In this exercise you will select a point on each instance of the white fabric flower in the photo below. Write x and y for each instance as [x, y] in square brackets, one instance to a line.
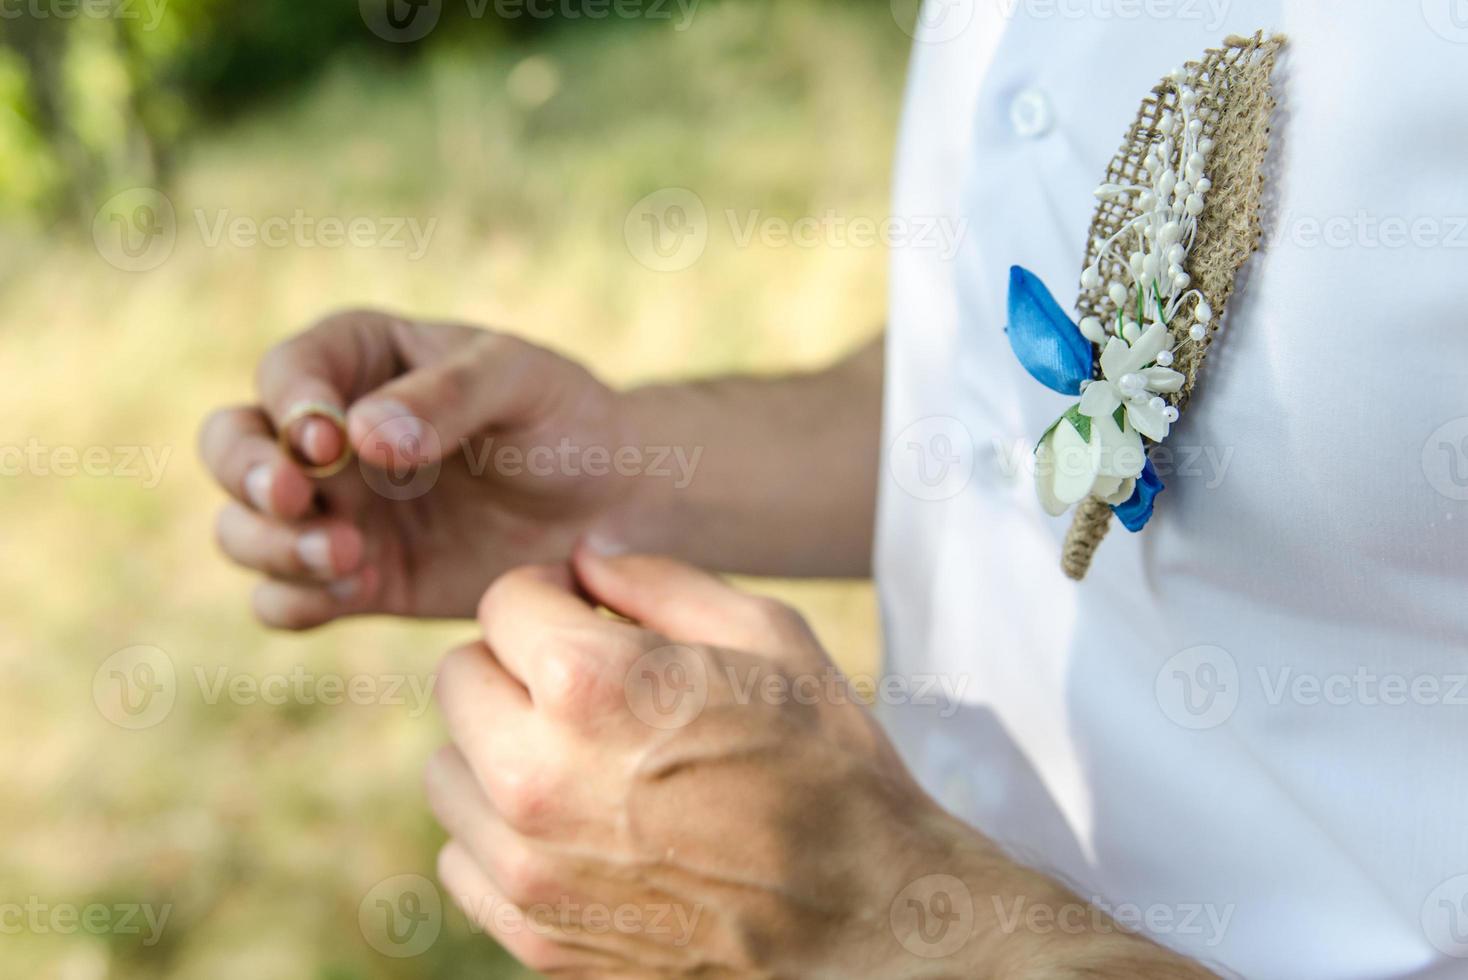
[1084, 457]
[1128, 380]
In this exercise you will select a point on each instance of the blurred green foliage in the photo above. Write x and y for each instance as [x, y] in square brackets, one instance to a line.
[99, 95]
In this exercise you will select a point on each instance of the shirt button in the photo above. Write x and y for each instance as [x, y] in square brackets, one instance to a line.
[1030, 113]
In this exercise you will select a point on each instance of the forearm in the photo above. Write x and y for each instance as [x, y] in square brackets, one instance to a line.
[1027, 926]
[785, 476]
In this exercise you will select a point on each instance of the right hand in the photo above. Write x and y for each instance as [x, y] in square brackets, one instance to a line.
[428, 515]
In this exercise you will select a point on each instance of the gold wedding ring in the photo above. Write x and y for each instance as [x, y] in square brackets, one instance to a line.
[315, 410]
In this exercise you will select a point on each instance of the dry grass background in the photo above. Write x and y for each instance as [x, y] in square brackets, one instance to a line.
[264, 826]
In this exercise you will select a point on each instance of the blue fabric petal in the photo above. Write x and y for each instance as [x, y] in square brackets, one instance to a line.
[1046, 341]
[1137, 511]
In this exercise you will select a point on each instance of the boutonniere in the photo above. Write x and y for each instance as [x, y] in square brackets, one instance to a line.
[1178, 215]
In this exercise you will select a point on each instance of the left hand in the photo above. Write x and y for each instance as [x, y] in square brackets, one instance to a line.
[636, 798]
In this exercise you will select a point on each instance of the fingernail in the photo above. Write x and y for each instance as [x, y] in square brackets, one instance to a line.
[257, 487]
[392, 426]
[344, 589]
[314, 549]
[602, 544]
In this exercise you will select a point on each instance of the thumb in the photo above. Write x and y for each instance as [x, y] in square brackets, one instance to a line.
[426, 414]
[687, 604]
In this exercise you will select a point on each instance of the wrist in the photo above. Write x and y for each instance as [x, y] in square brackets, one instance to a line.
[965, 909]
[640, 515]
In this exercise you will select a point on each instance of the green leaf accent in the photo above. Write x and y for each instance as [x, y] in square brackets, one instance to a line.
[1120, 416]
[1081, 423]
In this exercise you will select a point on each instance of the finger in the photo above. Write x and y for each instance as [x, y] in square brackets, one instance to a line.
[487, 907]
[298, 606]
[239, 450]
[491, 380]
[322, 550]
[329, 364]
[485, 709]
[687, 604]
[532, 611]
[461, 807]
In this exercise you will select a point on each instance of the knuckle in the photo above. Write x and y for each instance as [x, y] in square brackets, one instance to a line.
[542, 955]
[349, 318]
[568, 672]
[527, 879]
[214, 428]
[775, 615]
[456, 664]
[501, 592]
[526, 796]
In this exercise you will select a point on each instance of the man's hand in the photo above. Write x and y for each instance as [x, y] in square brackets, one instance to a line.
[479, 452]
[431, 514]
[688, 790]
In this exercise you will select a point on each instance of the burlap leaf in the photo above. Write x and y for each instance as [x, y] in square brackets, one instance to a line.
[1236, 102]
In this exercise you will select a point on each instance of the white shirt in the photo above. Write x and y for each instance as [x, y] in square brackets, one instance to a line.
[1250, 723]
